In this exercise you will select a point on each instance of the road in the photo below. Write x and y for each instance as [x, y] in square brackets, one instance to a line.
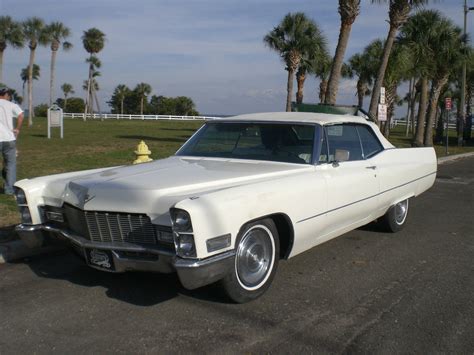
[364, 292]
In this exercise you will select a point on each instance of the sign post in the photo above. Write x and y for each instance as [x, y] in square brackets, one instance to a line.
[55, 119]
[382, 109]
[448, 106]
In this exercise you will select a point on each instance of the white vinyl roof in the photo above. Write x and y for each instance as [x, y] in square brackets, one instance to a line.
[300, 117]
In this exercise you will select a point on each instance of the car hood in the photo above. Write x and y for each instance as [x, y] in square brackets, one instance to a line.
[137, 188]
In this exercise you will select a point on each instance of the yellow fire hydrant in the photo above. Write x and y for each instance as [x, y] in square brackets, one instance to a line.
[142, 153]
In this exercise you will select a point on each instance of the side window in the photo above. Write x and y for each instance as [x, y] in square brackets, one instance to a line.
[344, 143]
[370, 143]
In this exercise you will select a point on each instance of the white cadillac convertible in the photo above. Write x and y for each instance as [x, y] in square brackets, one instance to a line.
[238, 196]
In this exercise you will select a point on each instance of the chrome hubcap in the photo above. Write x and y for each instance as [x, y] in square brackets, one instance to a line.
[254, 257]
[401, 210]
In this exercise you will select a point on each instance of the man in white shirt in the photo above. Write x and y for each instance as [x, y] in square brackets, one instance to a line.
[8, 135]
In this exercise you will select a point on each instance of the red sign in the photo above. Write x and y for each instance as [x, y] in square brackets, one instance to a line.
[447, 103]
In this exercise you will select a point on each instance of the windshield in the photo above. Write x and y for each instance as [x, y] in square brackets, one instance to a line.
[290, 143]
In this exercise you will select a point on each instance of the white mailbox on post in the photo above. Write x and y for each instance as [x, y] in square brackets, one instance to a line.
[55, 119]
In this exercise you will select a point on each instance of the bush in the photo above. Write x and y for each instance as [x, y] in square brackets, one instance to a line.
[41, 110]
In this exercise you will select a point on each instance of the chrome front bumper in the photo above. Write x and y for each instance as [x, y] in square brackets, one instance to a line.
[193, 273]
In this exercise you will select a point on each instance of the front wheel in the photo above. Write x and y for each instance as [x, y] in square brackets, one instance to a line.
[395, 218]
[256, 261]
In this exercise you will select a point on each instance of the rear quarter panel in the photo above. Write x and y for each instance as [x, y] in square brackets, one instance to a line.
[404, 173]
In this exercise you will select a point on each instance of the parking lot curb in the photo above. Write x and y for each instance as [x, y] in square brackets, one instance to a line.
[449, 158]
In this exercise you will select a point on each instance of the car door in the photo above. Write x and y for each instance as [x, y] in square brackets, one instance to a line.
[351, 180]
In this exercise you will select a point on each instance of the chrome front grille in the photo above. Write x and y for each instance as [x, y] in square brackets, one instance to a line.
[120, 227]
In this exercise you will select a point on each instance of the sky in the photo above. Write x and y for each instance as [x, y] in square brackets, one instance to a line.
[209, 50]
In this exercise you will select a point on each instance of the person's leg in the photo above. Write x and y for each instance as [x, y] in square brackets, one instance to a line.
[4, 174]
[9, 163]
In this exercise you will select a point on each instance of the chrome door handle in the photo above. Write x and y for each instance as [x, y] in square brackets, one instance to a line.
[373, 167]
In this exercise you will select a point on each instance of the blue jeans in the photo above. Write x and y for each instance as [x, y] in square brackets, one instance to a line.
[8, 150]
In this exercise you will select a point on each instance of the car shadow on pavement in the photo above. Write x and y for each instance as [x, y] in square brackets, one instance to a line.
[6, 233]
[137, 288]
[372, 227]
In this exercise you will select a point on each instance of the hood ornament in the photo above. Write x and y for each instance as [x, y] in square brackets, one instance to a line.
[88, 197]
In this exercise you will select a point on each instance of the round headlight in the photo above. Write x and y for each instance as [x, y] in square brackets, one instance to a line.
[20, 196]
[186, 245]
[25, 215]
[181, 220]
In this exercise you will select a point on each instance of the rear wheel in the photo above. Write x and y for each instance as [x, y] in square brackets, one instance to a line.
[395, 218]
[256, 261]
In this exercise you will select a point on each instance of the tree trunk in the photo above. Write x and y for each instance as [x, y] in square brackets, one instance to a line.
[420, 126]
[436, 88]
[289, 89]
[23, 90]
[1, 64]
[121, 106]
[97, 102]
[323, 87]
[51, 79]
[412, 111]
[468, 127]
[410, 107]
[440, 127]
[391, 95]
[300, 78]
[374, 101]
[360, 93]
[141, 105]
[331, 93]
[88, 89]
[65, 102]
[30, 87]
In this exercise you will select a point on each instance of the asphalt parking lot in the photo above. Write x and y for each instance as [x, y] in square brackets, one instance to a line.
[364, 292]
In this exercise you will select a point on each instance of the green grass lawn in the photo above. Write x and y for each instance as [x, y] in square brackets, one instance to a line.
[94, 144]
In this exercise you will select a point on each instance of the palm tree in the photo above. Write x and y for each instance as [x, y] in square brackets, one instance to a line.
[15, 97]
[322, 70]
[398, 13]
[67, 90]
[143, 90]
[398, 70]
[10, 34]
[469, 94]
[416, 34]
[94, 64]
[292, 38]
[348, 11]
[34, 32]
[57, 34]
[310, 61]
[358, 67]
[448, 42]
[93, 41]
[122, 91]
[24, 75]
[92, 86]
